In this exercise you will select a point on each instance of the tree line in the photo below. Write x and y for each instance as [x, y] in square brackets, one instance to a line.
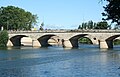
[94, 25]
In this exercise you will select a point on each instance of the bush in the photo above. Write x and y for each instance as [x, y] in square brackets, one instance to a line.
[116, 42]
[3, 38]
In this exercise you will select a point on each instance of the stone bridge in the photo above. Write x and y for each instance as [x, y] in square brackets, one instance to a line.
[68, 38]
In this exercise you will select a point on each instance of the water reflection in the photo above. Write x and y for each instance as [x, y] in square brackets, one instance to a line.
[104, 50]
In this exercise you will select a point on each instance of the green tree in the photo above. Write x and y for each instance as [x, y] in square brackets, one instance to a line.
[80, 27]
[3, 38]
[41, 26]
[112, 11]
[102, 25]
[14, 18]
[83, 26]
[87, 25]
[90, 24]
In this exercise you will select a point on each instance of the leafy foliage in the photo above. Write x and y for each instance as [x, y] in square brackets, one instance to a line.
[102, 25]
[112, 11]
[41, 26]
[116, 42]
[84, 40]
[14, 18]
[3, 38]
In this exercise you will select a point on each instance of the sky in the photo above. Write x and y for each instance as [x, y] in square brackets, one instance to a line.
[60, 14]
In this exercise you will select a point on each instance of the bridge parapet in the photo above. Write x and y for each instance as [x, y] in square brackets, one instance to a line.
[68, 31]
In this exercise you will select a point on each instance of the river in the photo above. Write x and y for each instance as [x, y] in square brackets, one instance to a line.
[85, 61]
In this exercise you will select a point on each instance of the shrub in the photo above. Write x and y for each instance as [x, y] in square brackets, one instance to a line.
[3, 38]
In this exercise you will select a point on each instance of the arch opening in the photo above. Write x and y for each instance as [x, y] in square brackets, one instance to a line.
[54, 40]
[84, 40]
[48, 40]
[26, 41]
[113, 40]
[116, 41]
[74, 40]
[16, 40]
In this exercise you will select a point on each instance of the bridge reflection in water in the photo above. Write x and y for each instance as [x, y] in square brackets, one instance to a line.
[66, 38]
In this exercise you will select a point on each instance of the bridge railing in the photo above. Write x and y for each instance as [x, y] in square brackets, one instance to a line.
[95, 31]
[67, 31]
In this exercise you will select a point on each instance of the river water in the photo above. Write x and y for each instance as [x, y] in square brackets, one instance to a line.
[85, 61]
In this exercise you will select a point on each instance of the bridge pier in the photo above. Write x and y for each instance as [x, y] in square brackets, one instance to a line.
[66, 43]
[105, 44]
[9, 43]
[35, 43]
[69, 43]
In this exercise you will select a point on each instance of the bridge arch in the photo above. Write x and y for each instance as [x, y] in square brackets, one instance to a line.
[16, 40]
[54, 40]
[73, 41]
[43, 40]
[109, 40]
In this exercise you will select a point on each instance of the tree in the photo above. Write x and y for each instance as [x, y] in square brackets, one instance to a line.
[102, 25]
[3, 38]
[41, 26]
[112, 11]
[14, 18]
[86, 25]
[90, 24]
